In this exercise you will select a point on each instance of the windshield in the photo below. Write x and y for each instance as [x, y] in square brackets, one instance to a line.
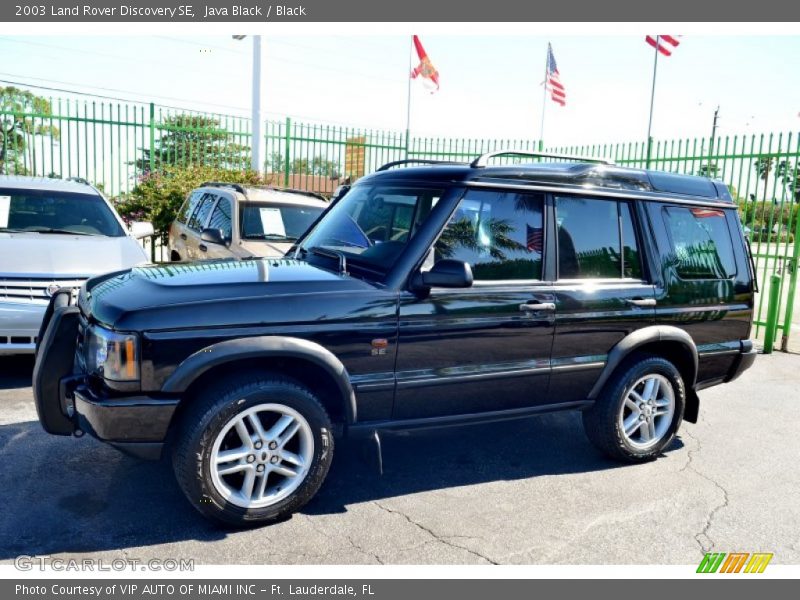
[371, 225]
[45, 211]
[276, 222]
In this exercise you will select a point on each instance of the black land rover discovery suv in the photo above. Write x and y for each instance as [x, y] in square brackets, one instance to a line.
[425, 295]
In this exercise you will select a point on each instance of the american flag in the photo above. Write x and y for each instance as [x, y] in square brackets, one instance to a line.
[553, 80]
[535, 239]
[665, 44]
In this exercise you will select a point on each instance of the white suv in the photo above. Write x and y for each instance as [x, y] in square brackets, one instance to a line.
[53, 234]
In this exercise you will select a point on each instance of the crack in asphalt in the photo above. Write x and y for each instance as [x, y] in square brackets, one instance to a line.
[350, 540]
[689, 466]
[444, 539]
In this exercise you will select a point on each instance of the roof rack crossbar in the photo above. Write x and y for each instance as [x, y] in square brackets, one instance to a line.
[418, 161]
[235, 186]
[483, 159]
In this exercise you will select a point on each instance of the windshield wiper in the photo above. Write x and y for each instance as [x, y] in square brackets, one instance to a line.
[9, 230]
[319, 251]
[55, 230]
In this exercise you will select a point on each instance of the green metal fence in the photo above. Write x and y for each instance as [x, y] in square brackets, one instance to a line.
[116, 145]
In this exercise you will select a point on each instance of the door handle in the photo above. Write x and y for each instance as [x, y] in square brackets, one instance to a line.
[183, 236]
[642, 302]
[533, 307]
[203, 247]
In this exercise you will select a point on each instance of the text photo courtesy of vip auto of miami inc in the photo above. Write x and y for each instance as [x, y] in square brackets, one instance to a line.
[324, 296]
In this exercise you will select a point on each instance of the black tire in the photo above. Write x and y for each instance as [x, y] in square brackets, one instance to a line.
[602, 421]
[206, 417]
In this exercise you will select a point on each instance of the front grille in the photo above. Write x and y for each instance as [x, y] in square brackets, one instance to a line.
[16, 339]
[35, 291]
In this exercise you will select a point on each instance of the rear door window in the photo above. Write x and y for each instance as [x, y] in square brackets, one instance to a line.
[701, 242]
[198, 219]
[596, 239]
[188, 207]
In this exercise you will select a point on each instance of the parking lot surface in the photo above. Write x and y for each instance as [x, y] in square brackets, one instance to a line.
[523, 492]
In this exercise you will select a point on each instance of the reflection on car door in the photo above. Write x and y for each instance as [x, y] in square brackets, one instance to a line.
[484, 348]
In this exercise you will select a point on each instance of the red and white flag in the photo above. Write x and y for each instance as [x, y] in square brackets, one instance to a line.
[558, 93]
[425, 70]
[665, 44]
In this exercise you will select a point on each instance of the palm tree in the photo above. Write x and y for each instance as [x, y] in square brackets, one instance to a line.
[763, 167]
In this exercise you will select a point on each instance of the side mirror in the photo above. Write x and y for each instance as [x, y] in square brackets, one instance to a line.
[213, 236]
[141, 229]
[447, 273]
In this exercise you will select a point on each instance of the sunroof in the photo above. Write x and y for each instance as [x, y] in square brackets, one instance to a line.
[682, 184]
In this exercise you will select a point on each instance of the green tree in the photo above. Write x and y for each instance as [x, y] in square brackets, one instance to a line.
[710, 169]
[22, 118]
[319, 165]
[193, 140]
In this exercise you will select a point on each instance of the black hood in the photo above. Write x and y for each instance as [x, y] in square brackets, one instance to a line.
[208, 293]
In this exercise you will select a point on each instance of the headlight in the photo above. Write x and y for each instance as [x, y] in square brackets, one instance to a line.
[114, 356]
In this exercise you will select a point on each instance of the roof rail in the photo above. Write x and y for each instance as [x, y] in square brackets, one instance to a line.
[316, 195]
[235, 186]
[484, 158]
[418, 161]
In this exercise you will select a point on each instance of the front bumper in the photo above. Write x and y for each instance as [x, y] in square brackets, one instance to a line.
[67, 404]
[19, 326]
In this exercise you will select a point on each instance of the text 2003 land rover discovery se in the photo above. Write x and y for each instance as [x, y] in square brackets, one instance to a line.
[427, 295]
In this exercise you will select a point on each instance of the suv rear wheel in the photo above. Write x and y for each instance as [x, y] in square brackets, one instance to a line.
[639, 410]
[253, 450]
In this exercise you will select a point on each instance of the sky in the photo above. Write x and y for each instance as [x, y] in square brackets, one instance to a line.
[490, 85]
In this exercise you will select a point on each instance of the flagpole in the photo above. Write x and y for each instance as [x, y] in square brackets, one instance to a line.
[544, 100]
[652, 100]
[408, 96]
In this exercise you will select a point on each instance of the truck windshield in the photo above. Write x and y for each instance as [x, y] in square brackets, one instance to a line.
[43, 211]
[371, 225]
[276, 222]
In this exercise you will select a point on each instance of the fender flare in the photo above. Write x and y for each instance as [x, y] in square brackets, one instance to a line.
[640, 337]
[261, 347]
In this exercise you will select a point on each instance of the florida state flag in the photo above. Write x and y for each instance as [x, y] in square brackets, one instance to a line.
[425, 69]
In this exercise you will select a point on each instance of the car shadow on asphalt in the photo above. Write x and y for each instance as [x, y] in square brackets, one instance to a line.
[65, 495]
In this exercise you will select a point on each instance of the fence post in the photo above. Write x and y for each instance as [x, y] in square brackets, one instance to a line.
[649, 151]
[772, 312]
[287, 160]
[152, 137]
[791, 266]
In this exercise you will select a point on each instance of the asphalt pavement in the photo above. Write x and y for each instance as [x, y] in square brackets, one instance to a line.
[525, 492]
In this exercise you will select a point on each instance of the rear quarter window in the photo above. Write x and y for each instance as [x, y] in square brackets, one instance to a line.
[702, 247]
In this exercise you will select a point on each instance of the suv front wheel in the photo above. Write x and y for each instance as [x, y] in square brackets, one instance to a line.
[253, 450]
[639, 410]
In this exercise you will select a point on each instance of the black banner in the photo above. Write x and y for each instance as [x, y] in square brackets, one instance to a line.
[382, 589]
